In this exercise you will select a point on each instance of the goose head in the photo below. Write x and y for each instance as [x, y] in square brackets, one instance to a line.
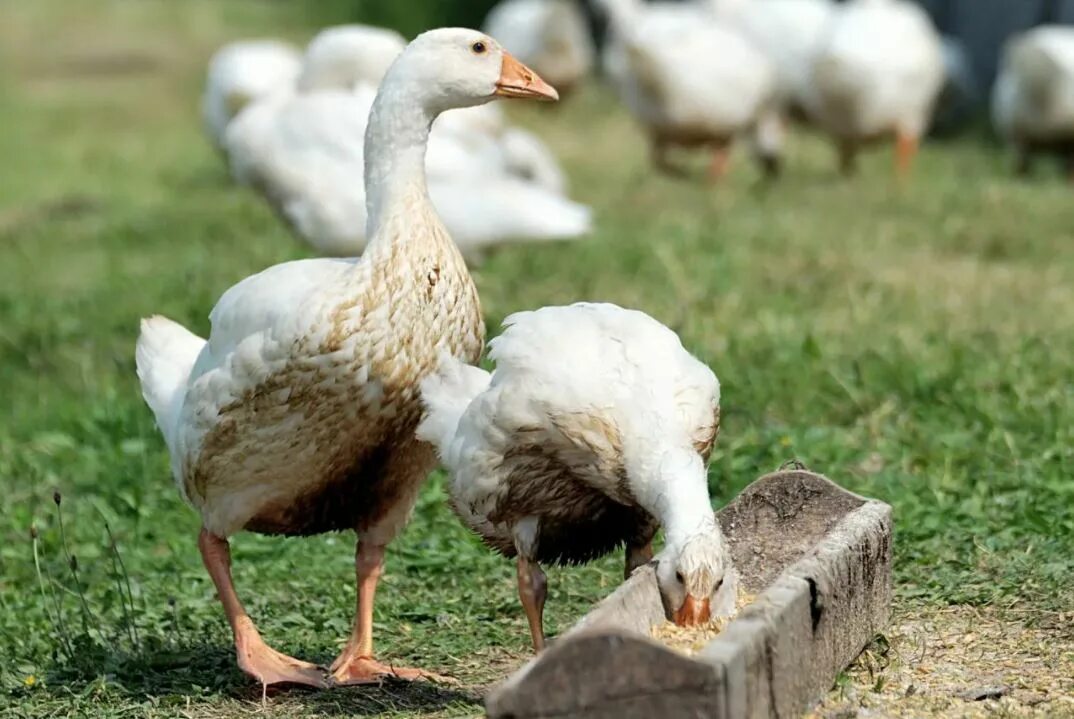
[694, 570]
[455, 67]
[696, 578]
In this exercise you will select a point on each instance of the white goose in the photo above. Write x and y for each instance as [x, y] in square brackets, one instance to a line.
[691, 79]
[297, 416]
[879, 75]
[241, 73]
[551, 36]
[1033, 99]
[593, 430]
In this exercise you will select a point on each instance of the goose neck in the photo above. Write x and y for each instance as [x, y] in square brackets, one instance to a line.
[682, 501]
[395, 142]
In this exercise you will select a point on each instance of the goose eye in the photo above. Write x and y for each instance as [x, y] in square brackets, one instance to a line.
[680, 578]
[479, 48]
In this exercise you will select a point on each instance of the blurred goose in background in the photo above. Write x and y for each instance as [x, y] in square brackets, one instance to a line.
[790, 32]
[691, 80]
[242, 72]
[304, 155]
[348, 55]
[303, 151]
[878, 75]
[528, 157]
[338, 58]
[551, 36]
[487, 134]
[1033, 98]
[297, 416]
[593, 431]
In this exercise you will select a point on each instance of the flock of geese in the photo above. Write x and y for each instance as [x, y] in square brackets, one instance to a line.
[329, 388]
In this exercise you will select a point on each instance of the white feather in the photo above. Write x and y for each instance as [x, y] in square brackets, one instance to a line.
[164, 356]
[446, 395]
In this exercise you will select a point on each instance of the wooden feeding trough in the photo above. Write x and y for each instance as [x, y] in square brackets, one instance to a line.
[818, 559]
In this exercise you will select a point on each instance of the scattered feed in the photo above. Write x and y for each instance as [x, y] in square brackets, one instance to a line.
[691, 640]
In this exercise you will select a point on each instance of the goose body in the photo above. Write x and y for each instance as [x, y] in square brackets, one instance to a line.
[879, 75]
[1033, 99]
[296, 416]
[551, 36]
[690, 79]
[592, 431]
[240, 73]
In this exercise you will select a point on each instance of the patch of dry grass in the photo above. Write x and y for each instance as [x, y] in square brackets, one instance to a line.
[966, 662]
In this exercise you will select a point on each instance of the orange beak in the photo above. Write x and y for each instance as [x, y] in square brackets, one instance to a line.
[693, 612]
[517, 80]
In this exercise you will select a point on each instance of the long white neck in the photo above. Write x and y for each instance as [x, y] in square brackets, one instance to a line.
[395, 142]
[680, 497]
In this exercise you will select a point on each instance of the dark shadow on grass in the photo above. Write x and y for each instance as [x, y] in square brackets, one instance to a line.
[419, 697]
[204, 670]
[154, 669]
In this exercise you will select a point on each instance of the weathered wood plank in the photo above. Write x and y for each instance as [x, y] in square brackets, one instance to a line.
[820, 558]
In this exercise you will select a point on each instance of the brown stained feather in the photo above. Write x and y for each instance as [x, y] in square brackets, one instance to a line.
[354, 499]
[705, 439]
[556, 481]
[577, 522]
[352, 460]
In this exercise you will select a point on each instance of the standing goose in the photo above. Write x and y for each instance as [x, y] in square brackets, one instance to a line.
[593, 430]
[877, 76]
[297, 416]
[1033, 99]
[691, 79]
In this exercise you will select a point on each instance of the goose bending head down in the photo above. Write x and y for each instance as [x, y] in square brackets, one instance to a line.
[695, 563]
[297, 415]
[592, 432]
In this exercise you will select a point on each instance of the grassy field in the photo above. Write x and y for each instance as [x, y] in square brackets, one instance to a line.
[916, 344]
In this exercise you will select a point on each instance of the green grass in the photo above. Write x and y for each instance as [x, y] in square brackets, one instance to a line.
[916, 344]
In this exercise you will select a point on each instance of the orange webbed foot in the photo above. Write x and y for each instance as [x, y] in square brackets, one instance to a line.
[269, 666]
